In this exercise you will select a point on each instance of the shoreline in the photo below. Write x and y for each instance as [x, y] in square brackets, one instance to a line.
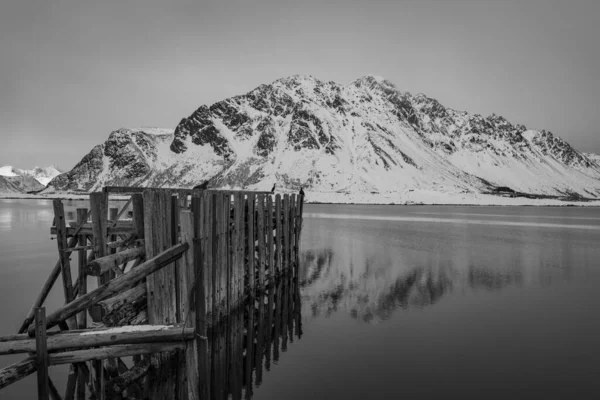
[413, 199]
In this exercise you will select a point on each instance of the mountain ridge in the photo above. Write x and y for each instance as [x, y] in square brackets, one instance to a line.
[16, 180]
[365, 137]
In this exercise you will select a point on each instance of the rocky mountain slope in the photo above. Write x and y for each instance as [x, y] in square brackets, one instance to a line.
[367, 137]
[15, 180]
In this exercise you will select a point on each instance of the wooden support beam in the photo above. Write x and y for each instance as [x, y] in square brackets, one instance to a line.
[104, 264]
[17, 371]
[81, 263]
[124, 229]
[197, 272]
[41, 352]
[157, 227]
[99, 206]
[128, 296]
[116, 286]
[81, 290]
[101, 353]
[61, 239]
[101, 337]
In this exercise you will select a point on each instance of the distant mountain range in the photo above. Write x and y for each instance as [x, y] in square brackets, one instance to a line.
[14, 180]
[367, 137]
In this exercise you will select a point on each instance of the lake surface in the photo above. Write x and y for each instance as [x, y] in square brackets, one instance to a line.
[412, 301]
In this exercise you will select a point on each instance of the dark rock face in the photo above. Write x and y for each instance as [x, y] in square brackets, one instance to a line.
[561, 150]
[267, 140]
[84, 174]
[200, 127]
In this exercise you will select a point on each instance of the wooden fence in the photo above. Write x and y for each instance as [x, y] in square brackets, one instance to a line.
[210, 285]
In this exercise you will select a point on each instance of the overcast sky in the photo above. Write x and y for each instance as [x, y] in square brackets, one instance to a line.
[73, 71]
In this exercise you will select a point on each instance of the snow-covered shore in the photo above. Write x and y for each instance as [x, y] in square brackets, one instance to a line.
[418, 197]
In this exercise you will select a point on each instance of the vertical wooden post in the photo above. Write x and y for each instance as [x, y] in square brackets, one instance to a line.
[160, 285]
[188, 303]
[286, 233]
[278, 234]
[286, 271]
[61, 239]
[41, 353]
[250, 248]
[271, 284]
[261, 286]
[81, 263]
[261, 240]
[99, 207]
[176, 265]
[137, 201]
[157, 233]
[82, 214]
[200, 277]
[291, 256]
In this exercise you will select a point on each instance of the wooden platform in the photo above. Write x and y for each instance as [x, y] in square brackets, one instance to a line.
[196, 294]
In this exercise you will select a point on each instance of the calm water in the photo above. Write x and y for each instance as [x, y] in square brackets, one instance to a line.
[420, 302]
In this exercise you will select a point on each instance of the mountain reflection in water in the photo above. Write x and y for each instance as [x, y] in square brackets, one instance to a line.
[373, 289]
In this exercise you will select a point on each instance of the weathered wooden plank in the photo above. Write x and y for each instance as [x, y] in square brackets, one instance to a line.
[82, 290]
[116, 286]
[284, 309]
[128, 296]
[17, 371]
[99, 206]
[278, 236]
[137, 203]
[260, 334]
[101, 353]
[271, 283]
[102, 337]
[188, 303]
[292, 267]
[286, 233]
[157, 233]
[198, 267]
[117, 230]
[61, 239]
[41, 352]
[218, 309]
[208, 239]
[104, 264]
[269, 239]
[250, 246]
[260, 229]
[241, 275]
[81, 264]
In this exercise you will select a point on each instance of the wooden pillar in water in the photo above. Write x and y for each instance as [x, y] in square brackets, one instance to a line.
[201, 277]
[161, 287]
[260, 204]
[99, 207]
[271, 280]
[41, 353]
[82, 214]
[251, 295]
[189, 306]
[61, 239]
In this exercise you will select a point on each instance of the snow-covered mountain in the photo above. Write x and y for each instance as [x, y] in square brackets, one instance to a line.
[16, 180]
[367, 137]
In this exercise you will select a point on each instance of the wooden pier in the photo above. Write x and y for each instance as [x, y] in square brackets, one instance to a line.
[196, 293]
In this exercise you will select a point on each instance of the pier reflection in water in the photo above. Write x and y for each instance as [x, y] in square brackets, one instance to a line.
[252, 337]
